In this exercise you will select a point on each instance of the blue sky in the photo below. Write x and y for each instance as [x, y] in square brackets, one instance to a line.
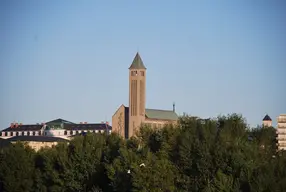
[70, 59]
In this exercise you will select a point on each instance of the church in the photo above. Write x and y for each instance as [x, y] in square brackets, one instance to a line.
[127, 120]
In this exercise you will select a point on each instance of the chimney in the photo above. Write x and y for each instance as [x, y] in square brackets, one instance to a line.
[80, 123]
[12, 125]
[85, 122]
[16, 125]
[174, 109]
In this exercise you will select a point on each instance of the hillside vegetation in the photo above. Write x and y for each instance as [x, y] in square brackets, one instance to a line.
[196, 155]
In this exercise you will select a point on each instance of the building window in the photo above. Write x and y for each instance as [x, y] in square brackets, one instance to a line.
[34, 133]
[39, 133]
[142, 73]
[6, 134]
[28, 133]
[45, 133]
[70, 132]
[65, 133]
[76, 132]
[17, 133]
[133, 73]
[11, 133]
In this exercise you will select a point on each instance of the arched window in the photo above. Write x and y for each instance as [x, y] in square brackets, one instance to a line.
[70, 132]
[6, 134]
[28, 133]
[39, 133]
[34, 133]
[65, 133]
[17, 133]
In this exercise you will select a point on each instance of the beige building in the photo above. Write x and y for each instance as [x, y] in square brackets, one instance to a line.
[37, 142]
[127, 120]
[281, 132]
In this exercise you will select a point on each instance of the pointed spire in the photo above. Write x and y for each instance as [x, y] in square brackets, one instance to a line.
[137, 63]
[267, 118]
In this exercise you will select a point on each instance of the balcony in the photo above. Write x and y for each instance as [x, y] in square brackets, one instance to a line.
[281, 120]
[282, 145]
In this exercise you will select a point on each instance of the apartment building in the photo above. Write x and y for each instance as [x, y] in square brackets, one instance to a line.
[281, 132]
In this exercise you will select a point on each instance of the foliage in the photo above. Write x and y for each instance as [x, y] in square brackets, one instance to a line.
[220, 154]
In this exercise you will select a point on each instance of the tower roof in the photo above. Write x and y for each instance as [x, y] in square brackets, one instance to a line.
[267, 118]
[137, 63]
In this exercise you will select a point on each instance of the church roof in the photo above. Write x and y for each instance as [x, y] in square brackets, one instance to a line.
[137, 63]
[267, 118]
[161, 114]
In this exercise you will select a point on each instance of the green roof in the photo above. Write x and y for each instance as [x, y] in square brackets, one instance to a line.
[58, 121]
[137, 63]
[161, 114]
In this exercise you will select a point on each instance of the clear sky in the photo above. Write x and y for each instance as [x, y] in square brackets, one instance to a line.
[70, 59]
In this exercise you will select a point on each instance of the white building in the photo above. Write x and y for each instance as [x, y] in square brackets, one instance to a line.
[56, 128]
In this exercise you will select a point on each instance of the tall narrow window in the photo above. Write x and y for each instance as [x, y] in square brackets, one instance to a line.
[142, 99]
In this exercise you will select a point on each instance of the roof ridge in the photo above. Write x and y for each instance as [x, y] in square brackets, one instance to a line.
[160, 110]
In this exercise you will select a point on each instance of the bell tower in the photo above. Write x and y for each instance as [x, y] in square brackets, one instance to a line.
[137, 94]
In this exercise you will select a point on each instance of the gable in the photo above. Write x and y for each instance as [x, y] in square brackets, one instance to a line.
[58, 121]
[161, 114]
